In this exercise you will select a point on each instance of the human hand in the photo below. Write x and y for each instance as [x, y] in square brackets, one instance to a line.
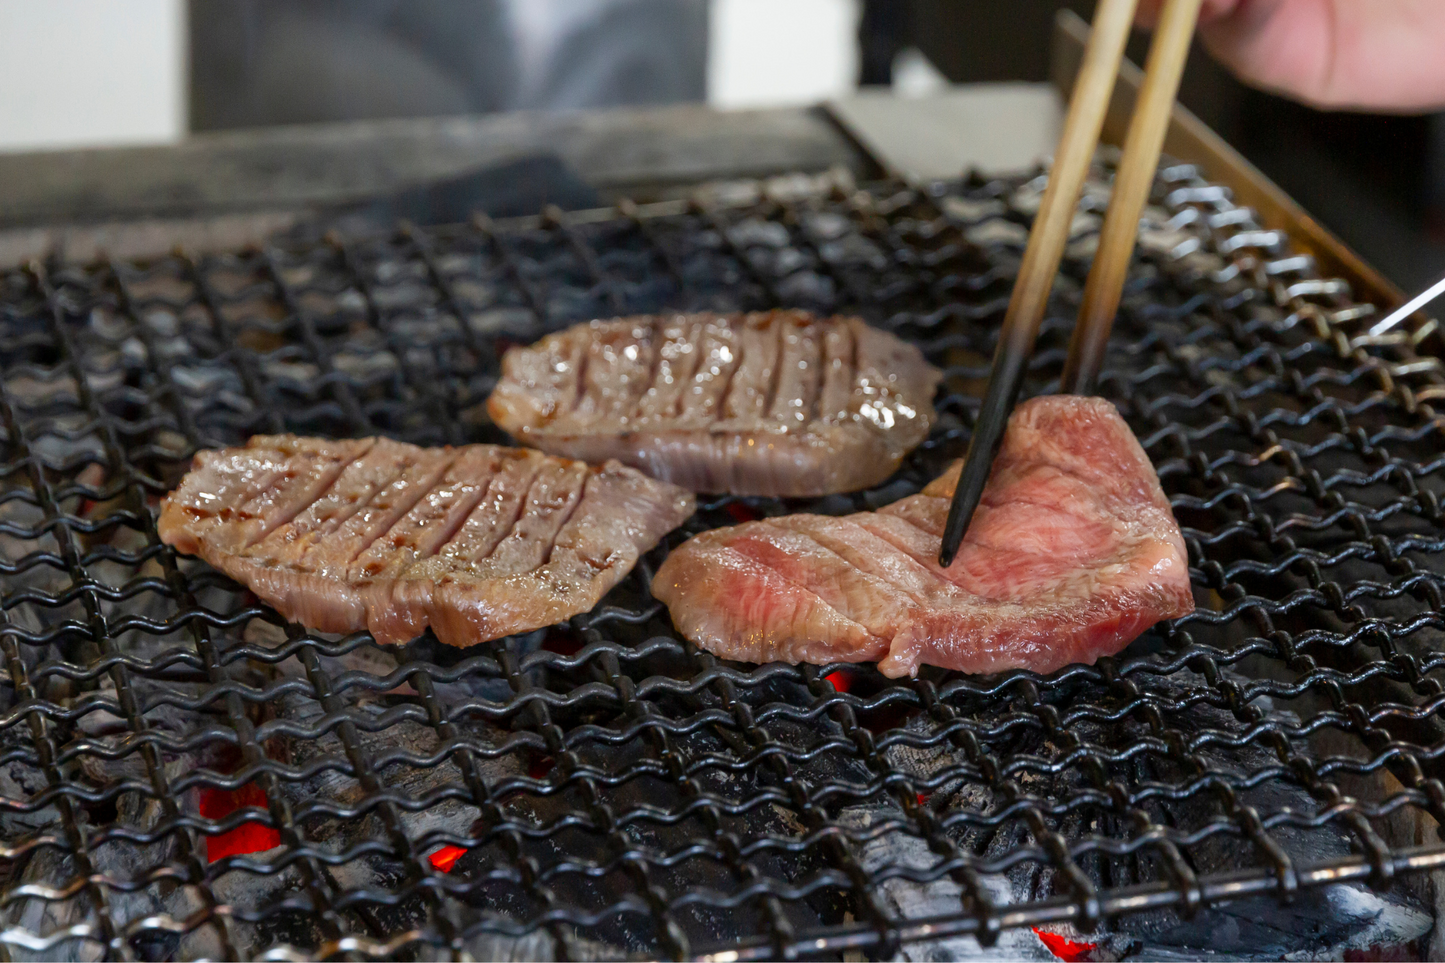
[1383, 55]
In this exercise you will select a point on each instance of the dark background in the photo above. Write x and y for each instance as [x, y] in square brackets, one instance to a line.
[1377, 181]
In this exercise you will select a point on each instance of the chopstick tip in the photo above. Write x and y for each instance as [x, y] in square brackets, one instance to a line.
[949, 551]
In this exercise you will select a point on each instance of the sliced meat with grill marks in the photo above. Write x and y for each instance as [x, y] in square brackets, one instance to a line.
[772, 403]
[477, 542]
[1072, 553]
[240, 495]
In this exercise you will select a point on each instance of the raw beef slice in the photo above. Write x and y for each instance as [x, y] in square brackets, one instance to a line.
[1072, 553]
[772, 403]
[477, 542]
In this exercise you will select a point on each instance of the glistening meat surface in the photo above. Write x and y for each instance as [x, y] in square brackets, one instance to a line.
[477, 542]
[1072, 553]
[771, 403]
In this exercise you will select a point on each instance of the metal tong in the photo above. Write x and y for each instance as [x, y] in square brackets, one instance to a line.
[1142, 146]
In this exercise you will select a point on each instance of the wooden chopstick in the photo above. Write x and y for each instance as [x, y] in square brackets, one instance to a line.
[1080, 137]
[1132, 181]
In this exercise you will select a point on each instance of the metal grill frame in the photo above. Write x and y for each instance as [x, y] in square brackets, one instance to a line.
[950, 261]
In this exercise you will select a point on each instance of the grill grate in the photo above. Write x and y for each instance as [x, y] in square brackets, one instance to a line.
[184, 775]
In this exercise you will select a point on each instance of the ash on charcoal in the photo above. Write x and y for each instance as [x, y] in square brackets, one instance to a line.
[21, 783]
[125, 875]
[1321, 922]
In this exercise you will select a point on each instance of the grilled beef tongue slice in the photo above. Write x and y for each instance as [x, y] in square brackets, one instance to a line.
[771, 403]
[1072, 553]
[478, 542]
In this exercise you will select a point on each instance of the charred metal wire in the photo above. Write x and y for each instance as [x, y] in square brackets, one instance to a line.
[183, 775]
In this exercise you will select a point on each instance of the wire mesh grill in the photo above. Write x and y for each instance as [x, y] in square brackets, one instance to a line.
[182, 774]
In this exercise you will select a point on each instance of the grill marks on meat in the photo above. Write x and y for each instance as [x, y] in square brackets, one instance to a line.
[1072, 553]
[252, 495]
[771, 403]
[477, 542]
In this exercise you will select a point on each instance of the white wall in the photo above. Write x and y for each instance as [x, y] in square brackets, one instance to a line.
[766, 53]
[91, 72]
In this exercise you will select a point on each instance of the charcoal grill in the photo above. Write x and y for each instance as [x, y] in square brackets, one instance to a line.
[182, 774]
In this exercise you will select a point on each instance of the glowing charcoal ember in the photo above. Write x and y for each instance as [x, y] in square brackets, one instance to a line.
[446, 857]
[249, 837]
[1066, 949]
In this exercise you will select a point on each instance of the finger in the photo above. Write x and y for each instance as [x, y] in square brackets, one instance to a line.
[1338, 55]
[1148, 13]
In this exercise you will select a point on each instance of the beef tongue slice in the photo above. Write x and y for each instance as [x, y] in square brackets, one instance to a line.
[770, 403]
[477, 542]
[1072, 553]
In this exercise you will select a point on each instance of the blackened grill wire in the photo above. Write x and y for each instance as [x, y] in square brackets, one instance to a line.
[1246, 376]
